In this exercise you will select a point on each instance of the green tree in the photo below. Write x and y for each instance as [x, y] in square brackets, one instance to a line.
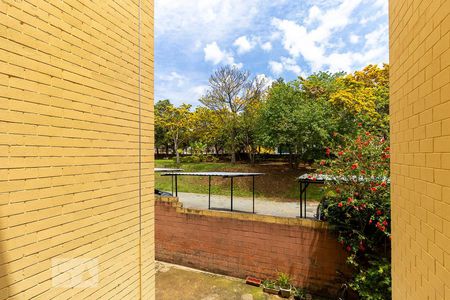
[248, 129]
[289, 119]
[321, 85]
[175, 121]
[230, 91]
[161, 136]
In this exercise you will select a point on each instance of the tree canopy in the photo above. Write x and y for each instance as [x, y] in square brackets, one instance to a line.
[239, 113]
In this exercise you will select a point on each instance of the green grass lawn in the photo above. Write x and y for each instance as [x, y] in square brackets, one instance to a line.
[279, 183]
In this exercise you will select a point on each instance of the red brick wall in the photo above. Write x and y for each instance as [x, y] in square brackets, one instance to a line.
[242, 244]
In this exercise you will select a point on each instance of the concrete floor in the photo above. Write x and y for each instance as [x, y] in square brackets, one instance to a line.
[175, 282]
[262, 206]
[180, 283]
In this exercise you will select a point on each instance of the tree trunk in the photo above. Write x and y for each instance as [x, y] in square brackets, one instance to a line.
[175, 145]
[291, 159]
[233, 146]
[252, 158]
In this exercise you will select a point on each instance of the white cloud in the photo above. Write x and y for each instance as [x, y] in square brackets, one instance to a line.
[267, 79]
[215, 55]
[297, 41]
[314, 14]
[276, 67]
[285, 64]
[382, 9]
[354, 38]
[198, 91]
[173, 77]
[211, 19]
[319, 40]
[180, 88]
[376, 37]
[244, 44]
[267, 46]
[290, 64]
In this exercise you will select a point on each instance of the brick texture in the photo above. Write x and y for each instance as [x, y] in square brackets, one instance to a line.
[420, 130]
[72, 117]
[242, 244]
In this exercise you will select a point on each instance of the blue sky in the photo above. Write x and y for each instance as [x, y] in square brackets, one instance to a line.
[271, 38]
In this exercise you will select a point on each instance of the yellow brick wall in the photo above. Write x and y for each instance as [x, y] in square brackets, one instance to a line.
[420, 129]
[70, 105]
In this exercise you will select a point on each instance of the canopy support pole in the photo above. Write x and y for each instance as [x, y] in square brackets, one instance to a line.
[176, 185]
[253, 188]
[231, 193]
[209, 193]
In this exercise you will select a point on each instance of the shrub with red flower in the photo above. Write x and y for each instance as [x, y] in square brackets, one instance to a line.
[357, 205]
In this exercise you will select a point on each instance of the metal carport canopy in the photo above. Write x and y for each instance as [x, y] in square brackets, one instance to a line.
[306, 179]
[230, 175]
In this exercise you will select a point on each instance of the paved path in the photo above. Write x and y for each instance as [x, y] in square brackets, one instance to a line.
[262, 206]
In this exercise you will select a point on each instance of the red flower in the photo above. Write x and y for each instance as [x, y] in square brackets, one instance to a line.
[340, 153]
[373, 189]
[359, 124]
[367, 133]
[322, 162]
[349, 248]
[328, 151]
[383, 183]
[340, 204]
[363, 172]
[338, 190]
[379, 212]
[385, 223]
[361, 246]
[354, 166]
[370, 221]
[349, 200]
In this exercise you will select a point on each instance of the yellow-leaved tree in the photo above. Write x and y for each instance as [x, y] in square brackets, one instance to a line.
[176, 122]
[366, 93]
